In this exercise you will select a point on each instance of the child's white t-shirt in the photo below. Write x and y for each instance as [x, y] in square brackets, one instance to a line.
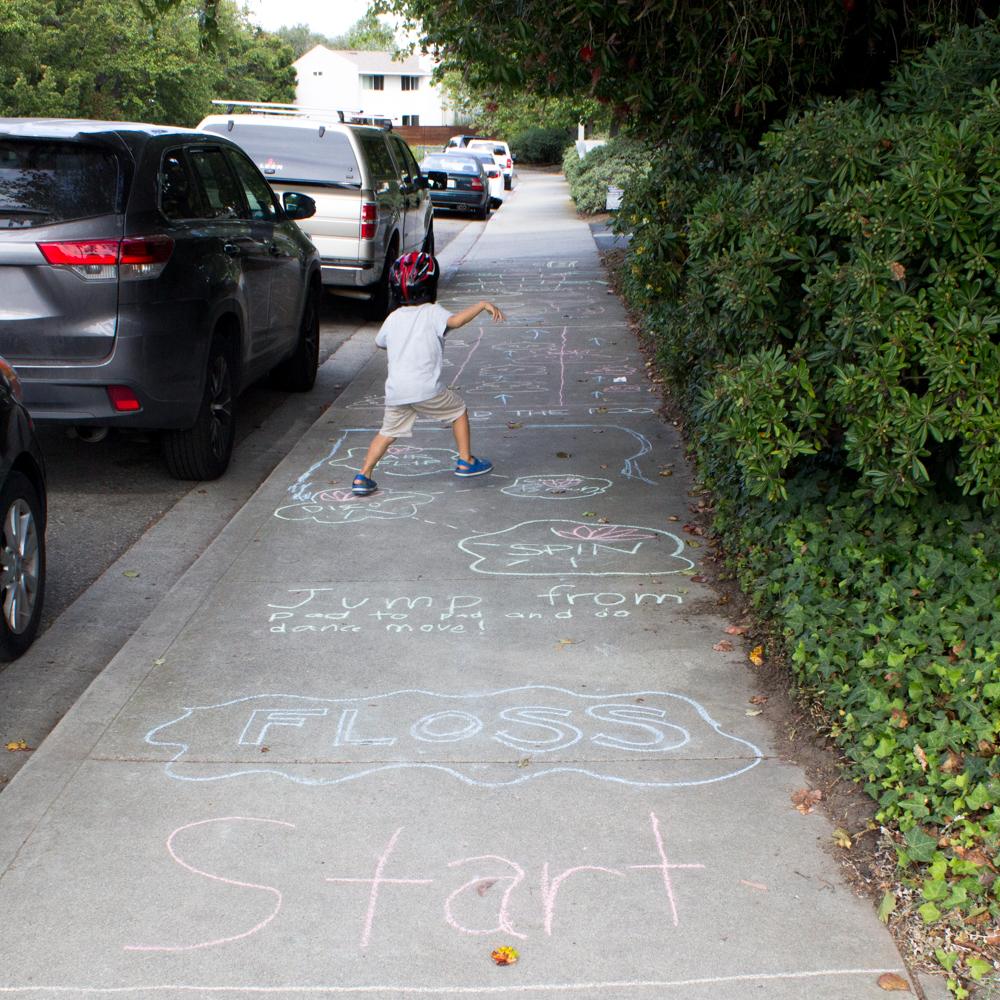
[414, 339]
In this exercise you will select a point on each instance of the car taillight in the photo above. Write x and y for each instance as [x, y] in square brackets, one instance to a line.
[510, 163]
[123, 399]
[144, 257]
[103, 260]
[94, 260]
[10, 376]
[476, 184]
[369, 213]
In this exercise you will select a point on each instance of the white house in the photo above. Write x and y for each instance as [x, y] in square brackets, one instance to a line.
[371, 82]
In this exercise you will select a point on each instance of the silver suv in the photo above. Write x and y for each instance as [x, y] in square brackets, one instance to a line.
[372, 204]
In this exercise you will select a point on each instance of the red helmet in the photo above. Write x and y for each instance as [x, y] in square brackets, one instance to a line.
[413, 277]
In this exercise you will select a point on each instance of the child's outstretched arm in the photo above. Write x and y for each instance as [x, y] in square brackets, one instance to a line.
[467, 315]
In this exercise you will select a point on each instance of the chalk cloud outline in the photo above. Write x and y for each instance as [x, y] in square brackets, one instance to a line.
[402, 460]
[738, 764]
[334, 506]
[540, 487]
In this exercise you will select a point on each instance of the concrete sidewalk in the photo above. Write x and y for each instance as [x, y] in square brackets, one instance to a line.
[362, 743]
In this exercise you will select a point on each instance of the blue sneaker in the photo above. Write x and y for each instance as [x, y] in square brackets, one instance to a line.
[363, 486]
[477, 467]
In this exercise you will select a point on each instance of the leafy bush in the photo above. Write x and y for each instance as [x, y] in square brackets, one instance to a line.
[613, 163]
[892, 618]
[540, 145]
[836, 292]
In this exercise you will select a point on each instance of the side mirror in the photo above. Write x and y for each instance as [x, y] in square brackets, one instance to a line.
[298, 206]
[420, 183]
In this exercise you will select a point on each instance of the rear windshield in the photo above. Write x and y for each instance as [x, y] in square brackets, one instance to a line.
[43, 182]
[284, 154]
[456, 164]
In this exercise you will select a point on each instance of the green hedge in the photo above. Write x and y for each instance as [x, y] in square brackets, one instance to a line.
[540, 145]
[835, 293]
[613, 163]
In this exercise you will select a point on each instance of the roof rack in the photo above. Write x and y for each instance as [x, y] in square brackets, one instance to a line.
[297, 111]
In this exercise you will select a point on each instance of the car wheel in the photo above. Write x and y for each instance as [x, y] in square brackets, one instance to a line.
[298, 373]
[203, 451]
[22, 576]
[378, 304]
[428, 246]
[482, 214]
[507, 183]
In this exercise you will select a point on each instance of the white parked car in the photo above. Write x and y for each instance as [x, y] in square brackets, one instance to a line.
[497, 188]
[501, 156]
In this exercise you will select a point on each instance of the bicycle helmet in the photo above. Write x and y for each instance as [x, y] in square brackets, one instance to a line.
[413, 279]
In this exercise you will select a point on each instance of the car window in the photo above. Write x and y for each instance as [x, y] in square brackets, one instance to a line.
[296, 154]
[256, 189]
[411, 164]
[455, 164]
[379, 162]
[44, 181]
[219, 193]
[399, 148]
[178, 193]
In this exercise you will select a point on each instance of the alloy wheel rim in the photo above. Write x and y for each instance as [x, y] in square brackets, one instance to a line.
[221, 407]
[20, 556]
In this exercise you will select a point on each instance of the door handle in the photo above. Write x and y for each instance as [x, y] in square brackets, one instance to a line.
[231, 250]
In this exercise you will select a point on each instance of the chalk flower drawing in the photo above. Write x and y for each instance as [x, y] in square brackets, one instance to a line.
[474, 737]
[343, 507]
[570, 548]
[556, 487]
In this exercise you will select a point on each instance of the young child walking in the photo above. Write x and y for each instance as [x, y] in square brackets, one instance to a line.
[413, 334]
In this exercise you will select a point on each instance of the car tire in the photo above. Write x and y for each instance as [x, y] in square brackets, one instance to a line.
[507, 181]
[482, 214]
[298, 373]
[22, 576]
[378, 304]
[203, 451]
[428, 246]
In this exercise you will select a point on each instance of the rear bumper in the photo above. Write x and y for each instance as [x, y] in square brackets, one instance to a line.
[88, 403]
[350, 275]
[461, 200]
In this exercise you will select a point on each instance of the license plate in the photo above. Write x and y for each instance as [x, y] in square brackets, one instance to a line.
[451, 183]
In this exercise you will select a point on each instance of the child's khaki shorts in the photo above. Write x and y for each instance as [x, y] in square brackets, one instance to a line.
[399, 420]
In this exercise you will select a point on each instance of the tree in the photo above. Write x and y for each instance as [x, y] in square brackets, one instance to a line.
[97, 59]
[665, 64]
[369, 33]
[301, 39]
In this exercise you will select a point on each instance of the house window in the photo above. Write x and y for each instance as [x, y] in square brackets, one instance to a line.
[372, 82]
[413, 120]
[315, 73]
[411, 82]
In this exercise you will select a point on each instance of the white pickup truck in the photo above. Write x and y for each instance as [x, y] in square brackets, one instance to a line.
[372, 204]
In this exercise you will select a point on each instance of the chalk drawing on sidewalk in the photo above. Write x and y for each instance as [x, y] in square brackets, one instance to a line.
[369, 402]
[556, 486]
[573, 548]
[402, 460]
[327, 741]
[334, 506]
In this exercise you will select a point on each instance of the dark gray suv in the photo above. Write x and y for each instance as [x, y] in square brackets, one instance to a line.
[147, 275]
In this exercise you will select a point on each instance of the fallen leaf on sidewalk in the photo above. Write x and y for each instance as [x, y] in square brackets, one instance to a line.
[202, 491]
[886, 907]
[683, 590]
[692, 544]
[754, 885]
[724, 647]
[483, 886]
[666, 472]
[754, 711]
[699, 579]
[130, 573]
[514, 427]
[590, 513]
[603, 466]
[504, 956]
[160, 662]
[524, 762]
[736, 629]
[841, 837]
[693, 529]
[805, 799]
[604, 520]
[673, 517]
[602, 409]
[563, 454]
[757, 699]
[725, 600]
[890, 981]
[757, 657]
[557, 491]
[19, 745]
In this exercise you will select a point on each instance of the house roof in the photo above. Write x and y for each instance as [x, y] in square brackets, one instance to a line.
[376, 62]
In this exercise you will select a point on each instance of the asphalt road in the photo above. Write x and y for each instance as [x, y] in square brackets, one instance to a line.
[103, 496]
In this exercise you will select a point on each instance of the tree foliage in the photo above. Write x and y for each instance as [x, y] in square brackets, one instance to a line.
[664, 63]
[366, 34]
[98, 59]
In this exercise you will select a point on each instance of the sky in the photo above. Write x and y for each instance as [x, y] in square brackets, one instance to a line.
[328, 17]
